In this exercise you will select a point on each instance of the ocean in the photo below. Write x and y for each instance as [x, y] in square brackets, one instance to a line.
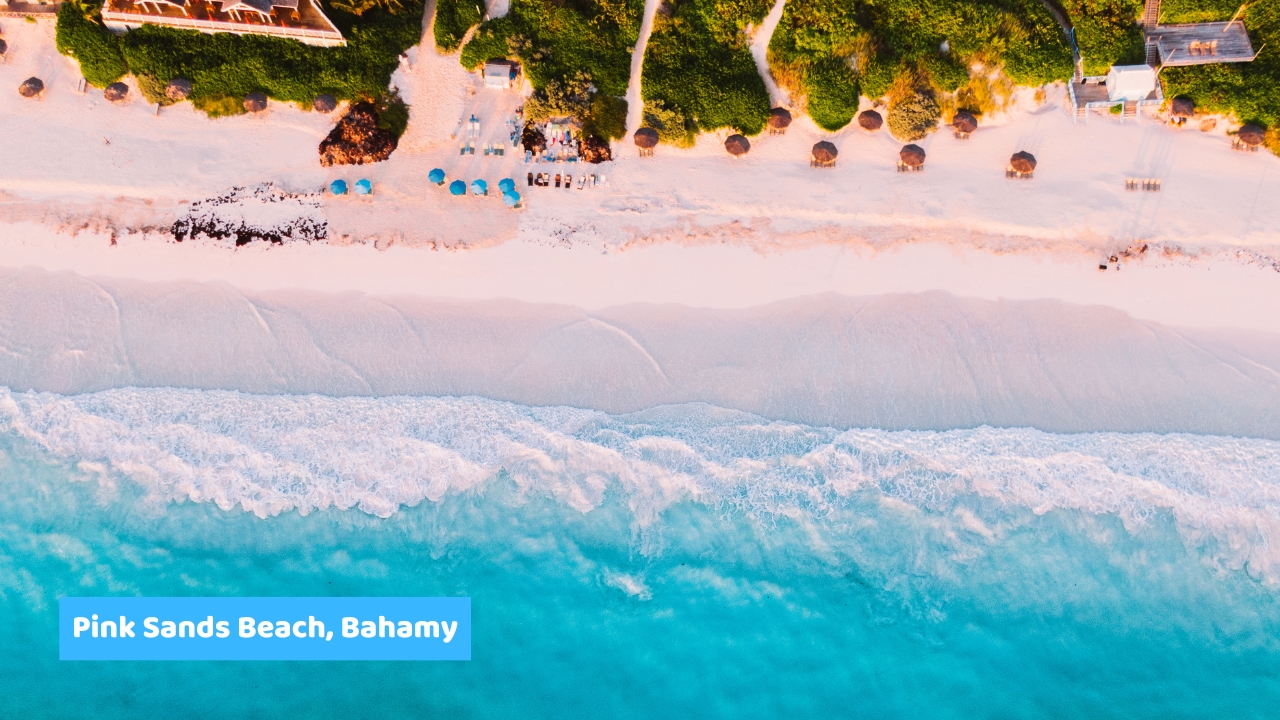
[685, 561]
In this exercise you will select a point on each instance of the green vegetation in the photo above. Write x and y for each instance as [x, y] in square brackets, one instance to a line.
[608, 118]
[914, 116]
[672, 126]
[699, 65]
[1107, 32]
[555, 40]
[453, 19]
[1250, 90]
[80, 35]
[223, 68]
[1197, 11]
[826, 51]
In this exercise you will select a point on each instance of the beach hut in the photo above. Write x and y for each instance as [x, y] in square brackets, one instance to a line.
[1249, 137]
[646, 139]
[511, 198]
[436, 176]
[963, 123]
[737, 145]
[324, 104]
[363, 187]
[338, 187]
[457, 187]
[31, 88]
[870, 120]
[479, 187]
[255, 102]
[824, 155]
[499, 74]
[779, 120]
[911, 158]
[1021, 165]
[178, 89]
[116, 92]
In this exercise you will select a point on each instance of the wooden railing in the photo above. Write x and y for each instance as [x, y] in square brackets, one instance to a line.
[124, 20]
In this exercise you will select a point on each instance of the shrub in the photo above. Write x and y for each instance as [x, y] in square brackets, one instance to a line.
[914, 116]
[80, 35]
[216, 106]
[572, 98]
[698, 64]
[490, 41]
[393, 114]
[832, 91]
[608, 118]
[672, 126]
[453, 19]
[1107, 32]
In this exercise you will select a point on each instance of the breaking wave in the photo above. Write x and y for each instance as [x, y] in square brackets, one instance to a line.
[275, 454]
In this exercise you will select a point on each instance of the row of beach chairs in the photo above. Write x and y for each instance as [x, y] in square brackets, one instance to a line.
[469, 148]
[565, 180]
[1147, 184]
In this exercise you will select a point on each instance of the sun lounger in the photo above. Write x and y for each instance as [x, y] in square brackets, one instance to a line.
[582, 181]
[462, 149]
[471, 149]
[530, 179]
[592, 180]
[557, 179]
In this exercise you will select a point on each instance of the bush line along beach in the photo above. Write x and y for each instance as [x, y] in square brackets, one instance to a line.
[927, 57]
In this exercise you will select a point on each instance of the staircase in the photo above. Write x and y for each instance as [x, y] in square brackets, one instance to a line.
[1151, 14]
[1129, 111]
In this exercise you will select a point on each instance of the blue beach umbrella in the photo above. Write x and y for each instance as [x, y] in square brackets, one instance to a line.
[457, 187]
[338, 187]
[436, 176]
[479, 187]
[506, 185]
[511, 198]
[363, 187]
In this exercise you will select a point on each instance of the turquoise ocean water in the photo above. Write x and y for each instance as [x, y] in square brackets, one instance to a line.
[683, 562]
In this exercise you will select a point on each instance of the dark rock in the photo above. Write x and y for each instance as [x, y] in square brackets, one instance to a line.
[357, 139]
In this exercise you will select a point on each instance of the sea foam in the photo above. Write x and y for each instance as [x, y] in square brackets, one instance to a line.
[275, 454]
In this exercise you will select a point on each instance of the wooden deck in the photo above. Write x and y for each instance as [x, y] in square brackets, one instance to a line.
[310, 25]
[1201, 43]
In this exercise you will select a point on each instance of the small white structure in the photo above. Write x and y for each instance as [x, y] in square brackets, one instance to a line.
[499, 74]
[1130, 83]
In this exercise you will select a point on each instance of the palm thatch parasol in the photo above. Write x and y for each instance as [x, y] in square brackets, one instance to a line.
[870, 120]
[116, 92]
[178, 89]
[964, 122]
[324, 104]
[824, 153]
[4, 47]
[255, 102]
[1182, 107]
[646, 138]
[911, 155]
[779, 120]
[31, 88]
[1251, 135]
[1023, 162]
[737, 145]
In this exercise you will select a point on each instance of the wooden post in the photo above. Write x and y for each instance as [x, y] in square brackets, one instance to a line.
[1234, 17]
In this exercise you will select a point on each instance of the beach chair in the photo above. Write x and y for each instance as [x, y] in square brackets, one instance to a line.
[1151, 185]
[530, 179]
[462, 149]
[557, 179]
[471, 149]
[582, 181]
[1131, 184]
[592, 180]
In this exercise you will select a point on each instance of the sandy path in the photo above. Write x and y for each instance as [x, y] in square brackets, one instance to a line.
[760, 51]
[635, 104]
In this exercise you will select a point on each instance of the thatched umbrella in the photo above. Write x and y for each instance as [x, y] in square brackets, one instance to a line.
[31, 88]
[4, 47]
[1182, 107]
[779, 120]
[964, 122]
[737, 145]
[1023, 162]
[324, 104]
[255, 102]
[870, 120]
[911, 155]
[1251, 135]
[825, 153]
[646, 138]
[116, 92]
[178, 89]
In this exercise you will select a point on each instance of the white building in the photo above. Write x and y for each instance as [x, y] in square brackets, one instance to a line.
[1130, 83]
[500, 74]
